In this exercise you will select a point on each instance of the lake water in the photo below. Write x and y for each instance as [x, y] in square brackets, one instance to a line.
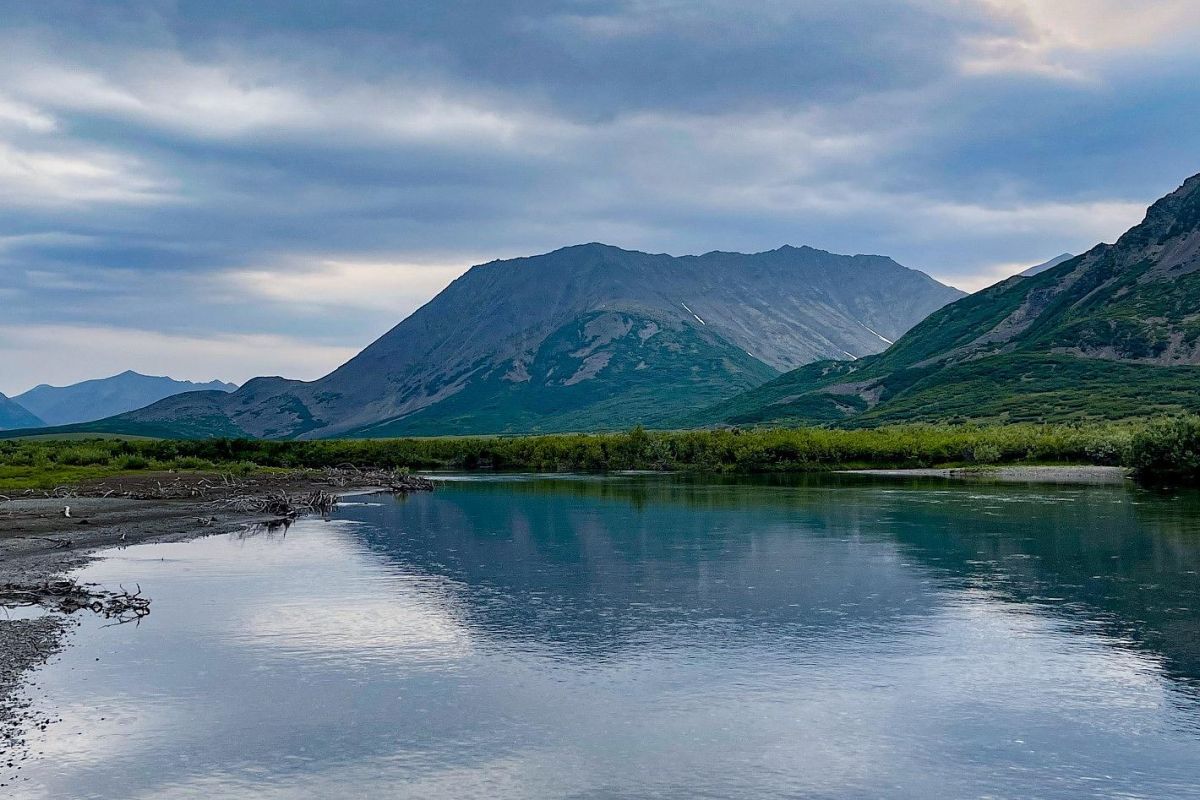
[651, 637]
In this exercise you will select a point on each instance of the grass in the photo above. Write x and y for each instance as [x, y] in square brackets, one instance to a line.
[45, 463]
[15, 479]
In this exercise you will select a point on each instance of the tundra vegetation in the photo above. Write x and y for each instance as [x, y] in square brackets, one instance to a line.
[1168, 448]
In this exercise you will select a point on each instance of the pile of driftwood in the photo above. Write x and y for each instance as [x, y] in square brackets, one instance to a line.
[398, 481]
[68, 596]
[181, 488]
[409, 483]
[280, 504]
[230, 487]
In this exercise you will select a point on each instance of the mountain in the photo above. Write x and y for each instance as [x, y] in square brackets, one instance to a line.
[13, 416]
[105, 397]
[1054, 262]
[1112, 333]
[584, 338]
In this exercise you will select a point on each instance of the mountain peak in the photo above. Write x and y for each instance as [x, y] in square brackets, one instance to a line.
[590, 247]
[587, 337]
[1175, 215]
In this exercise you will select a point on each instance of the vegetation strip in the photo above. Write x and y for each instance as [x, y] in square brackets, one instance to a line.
[1168, 447]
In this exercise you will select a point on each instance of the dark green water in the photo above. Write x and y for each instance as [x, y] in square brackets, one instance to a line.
[652, 637]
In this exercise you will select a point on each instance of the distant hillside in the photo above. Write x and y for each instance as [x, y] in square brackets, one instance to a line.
[13, 416]
[584, 338]
[1112, 333]
[105, 397]
[1054, 262]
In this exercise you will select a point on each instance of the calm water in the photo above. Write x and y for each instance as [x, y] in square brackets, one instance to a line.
[650, 637]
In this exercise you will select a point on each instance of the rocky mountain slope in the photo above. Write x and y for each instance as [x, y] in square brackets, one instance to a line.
[587, 337]
[1112, 333]
[13, 416]
[104, 397]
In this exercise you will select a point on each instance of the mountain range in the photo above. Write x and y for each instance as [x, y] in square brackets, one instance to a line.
[1112, 333]
[589, 337]
[13, 416]
[102, 397]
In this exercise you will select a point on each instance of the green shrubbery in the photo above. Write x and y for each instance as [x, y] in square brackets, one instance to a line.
[85, 456]
[1159, 446]
[1168, 449]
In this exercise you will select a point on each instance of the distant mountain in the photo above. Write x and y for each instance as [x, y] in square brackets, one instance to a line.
[13, 416]
[1054, 262]
[105, 397]
[584, 338]
[1112, 333]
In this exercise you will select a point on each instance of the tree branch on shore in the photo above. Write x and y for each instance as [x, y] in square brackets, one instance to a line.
[68, 596]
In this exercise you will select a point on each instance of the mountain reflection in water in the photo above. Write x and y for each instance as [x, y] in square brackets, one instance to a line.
[653, 636]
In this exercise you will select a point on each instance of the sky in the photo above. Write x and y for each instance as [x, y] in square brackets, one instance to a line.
[223, 189]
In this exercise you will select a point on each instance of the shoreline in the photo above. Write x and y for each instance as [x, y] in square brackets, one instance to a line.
[1078, 474]
[38, 544]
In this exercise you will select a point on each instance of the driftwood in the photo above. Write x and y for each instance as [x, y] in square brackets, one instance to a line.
[394, 480]
[410, 483]
[68, 596]
[226, 486]
[281, 504]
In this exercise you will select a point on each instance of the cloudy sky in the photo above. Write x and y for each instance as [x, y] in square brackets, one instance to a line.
[221, 189]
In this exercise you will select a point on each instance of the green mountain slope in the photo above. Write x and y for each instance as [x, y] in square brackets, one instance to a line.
[654, 370]
[1109, 334]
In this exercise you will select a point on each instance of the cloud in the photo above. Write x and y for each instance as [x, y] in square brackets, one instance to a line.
[398, 289]
[13, 113]
[245, 97]
[72, 178]
[298, 171]
[1059, 38]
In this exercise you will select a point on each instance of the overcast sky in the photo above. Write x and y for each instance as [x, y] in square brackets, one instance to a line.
[225, 189]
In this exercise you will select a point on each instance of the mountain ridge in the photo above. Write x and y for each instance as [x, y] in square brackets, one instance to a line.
[1045, 265]
[14, 416]
[536, 342]
[1113, 332]
[99, 398]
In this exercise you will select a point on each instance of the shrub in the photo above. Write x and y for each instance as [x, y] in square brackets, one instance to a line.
[190, 462]
[1167, 448]
[985, 453]
[83, 456]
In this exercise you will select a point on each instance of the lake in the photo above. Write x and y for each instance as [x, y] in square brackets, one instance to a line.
[650, 636]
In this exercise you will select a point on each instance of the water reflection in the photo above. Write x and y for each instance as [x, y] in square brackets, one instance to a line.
[653, 637]
[542, 559]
